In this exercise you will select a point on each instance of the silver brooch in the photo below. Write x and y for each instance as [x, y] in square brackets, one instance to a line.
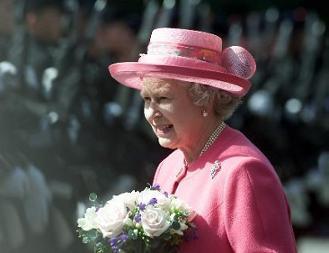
[215, 168]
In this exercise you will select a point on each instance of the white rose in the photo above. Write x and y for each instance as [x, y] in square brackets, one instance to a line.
[110, 218]
[154, 221]
[88, 221]
[180, 205]
[162, 201]
[130, 199]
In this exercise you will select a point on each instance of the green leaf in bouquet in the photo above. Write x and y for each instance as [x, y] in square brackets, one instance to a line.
[93, 197]
[132, 234]
[134, 246]
[161, 246]
[102, 248]
[88, 236]
[175, 225]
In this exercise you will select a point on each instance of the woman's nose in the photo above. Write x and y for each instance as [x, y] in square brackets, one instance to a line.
[152, 112]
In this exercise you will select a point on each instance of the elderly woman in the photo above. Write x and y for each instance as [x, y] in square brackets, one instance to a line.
[190, 87]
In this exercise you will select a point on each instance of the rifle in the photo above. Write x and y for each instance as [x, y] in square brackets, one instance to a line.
[205, 14]
[187, 12]
[121, 100]
[264, 43]
[255, 45]
[263, 101]
[234, 32]
[314, 110]
[69, 75]
[314, 30]
[18, 51]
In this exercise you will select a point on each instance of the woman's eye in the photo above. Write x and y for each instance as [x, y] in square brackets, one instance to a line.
[163, 99]
[146, 99]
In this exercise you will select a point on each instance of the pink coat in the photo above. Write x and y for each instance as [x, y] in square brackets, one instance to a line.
[242, 208]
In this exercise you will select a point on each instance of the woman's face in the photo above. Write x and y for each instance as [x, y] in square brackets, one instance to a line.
[168, 108]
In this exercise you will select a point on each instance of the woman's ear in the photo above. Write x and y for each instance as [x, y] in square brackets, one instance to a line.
[209, 105]
[224, 98]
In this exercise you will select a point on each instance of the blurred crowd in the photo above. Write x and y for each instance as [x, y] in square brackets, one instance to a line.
[67, 129]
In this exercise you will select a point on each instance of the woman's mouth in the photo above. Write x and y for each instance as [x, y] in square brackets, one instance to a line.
[163, 130]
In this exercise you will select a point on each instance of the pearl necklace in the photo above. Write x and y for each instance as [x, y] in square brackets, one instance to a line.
[219, 129]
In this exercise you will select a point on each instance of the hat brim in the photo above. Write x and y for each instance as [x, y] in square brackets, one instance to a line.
[131, 75]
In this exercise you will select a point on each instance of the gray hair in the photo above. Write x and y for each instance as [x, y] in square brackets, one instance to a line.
[202, 95]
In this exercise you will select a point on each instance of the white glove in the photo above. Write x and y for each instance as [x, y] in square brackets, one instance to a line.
[15, 185]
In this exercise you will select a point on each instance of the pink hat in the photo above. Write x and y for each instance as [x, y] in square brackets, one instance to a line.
[191, 56]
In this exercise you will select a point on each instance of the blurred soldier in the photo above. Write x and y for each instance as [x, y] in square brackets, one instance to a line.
[114, 40]
[37, 35]
[36, 50]
[94, 106]
[24, 129]
[43, 20]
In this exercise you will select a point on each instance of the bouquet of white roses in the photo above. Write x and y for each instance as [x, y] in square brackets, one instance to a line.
[146, 221]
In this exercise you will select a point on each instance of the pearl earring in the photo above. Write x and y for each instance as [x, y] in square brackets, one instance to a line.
[204, 113]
